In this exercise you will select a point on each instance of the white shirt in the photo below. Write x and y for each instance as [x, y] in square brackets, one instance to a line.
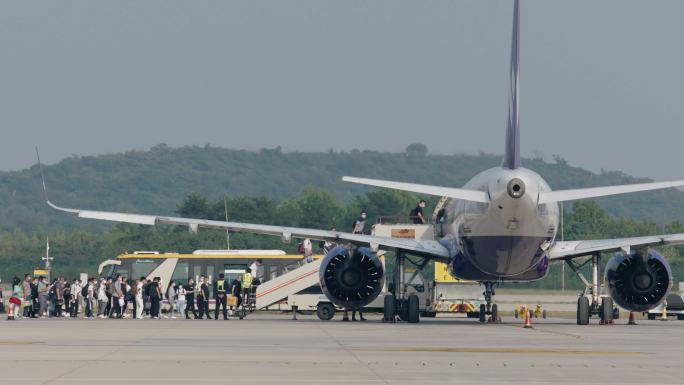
[101, 293]
[140, 291]
[181, 293]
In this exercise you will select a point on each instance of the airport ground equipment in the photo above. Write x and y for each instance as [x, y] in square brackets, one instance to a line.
[674, 307]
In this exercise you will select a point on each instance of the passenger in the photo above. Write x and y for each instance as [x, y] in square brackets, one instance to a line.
[109, 288]
[145, 295]
[67, 299]
[258, 270]
[329, 245]
[220, 290]
[171, 298]
[127, 297]
[307, 250]
[417, 213]
[180, 299]
[155, 297]
[117, 298]
[190, 298]
[58, 289]
[89, 299]
[15, 300]
[203, 298]
[75, 298]
[27, 302]
[43, 291]
[102, 299]
[34, 298]
[236, 290]
[139, 303]
[358, 227]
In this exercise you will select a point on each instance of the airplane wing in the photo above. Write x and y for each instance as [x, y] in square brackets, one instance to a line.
[573, 249]
[456, 193]
[426, 248]
[594, 192]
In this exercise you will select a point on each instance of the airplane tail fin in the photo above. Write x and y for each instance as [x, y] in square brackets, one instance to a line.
[512, 155]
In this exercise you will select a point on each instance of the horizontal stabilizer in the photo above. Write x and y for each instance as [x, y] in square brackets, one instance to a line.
[594, 192]
[455, 193]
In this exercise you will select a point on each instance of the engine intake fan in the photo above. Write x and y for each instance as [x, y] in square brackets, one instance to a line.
[351, 278]
[638, 281]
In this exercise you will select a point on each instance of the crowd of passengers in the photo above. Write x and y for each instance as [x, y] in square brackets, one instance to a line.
[119, 297]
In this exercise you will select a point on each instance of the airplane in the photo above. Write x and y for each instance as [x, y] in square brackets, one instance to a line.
[501, 226]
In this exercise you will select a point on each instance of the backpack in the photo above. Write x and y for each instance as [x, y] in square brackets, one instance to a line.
[84, 291]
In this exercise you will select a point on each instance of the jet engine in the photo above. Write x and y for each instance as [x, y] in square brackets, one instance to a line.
[351, 278]
[638, 281]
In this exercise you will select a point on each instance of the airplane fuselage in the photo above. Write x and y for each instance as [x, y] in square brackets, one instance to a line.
[507, 238]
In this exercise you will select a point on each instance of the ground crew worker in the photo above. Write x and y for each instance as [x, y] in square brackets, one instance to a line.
[203, 298]
[358, 227]
[221, 297]
[246, 286]
[190, 298]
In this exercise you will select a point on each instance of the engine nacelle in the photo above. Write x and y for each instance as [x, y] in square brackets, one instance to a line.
[638, 281]
[351, 278]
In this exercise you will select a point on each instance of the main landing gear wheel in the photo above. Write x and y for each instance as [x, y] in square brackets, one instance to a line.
[389, 310]
[495, 313]
[606, 310]
[325, 311]
[583, 311]
[483, 313]
[413, 309]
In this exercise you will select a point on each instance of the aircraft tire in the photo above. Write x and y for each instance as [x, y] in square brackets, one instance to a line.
[483, 313]
[413, 309]
[583, 311]
[606, 309]
[389, 308]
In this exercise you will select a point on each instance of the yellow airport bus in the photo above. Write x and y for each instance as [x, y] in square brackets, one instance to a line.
[209, 263]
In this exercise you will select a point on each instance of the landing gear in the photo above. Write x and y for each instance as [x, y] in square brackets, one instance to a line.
[488, 308]
[590, 301]
[398, 303]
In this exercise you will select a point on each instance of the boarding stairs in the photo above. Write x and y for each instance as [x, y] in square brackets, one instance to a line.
[292, 282]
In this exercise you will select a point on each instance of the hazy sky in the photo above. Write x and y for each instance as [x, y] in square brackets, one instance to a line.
[601, 81]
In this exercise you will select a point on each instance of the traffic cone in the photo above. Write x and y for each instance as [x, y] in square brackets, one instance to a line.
[664, 316]
[632, 320]
[528, 320]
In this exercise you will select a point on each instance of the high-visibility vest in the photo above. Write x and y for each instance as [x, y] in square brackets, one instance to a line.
[220, 286]
[246, 280]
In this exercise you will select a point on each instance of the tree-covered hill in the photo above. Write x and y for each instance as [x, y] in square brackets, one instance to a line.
[155, 181]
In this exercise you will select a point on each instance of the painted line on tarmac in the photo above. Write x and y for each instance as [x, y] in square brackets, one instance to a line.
[506, 350]
[18, 342]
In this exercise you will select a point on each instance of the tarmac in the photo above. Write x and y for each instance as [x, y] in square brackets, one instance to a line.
[272, 348]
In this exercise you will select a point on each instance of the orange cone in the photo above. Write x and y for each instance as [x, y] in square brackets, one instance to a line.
[632, 320]
[528, 320]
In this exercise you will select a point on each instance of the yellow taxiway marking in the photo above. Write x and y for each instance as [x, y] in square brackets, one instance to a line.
[506, 350]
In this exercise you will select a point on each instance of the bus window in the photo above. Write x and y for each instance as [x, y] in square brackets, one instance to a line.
[210, 278]
[182, 272]
[143, 267]
[231, 272]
